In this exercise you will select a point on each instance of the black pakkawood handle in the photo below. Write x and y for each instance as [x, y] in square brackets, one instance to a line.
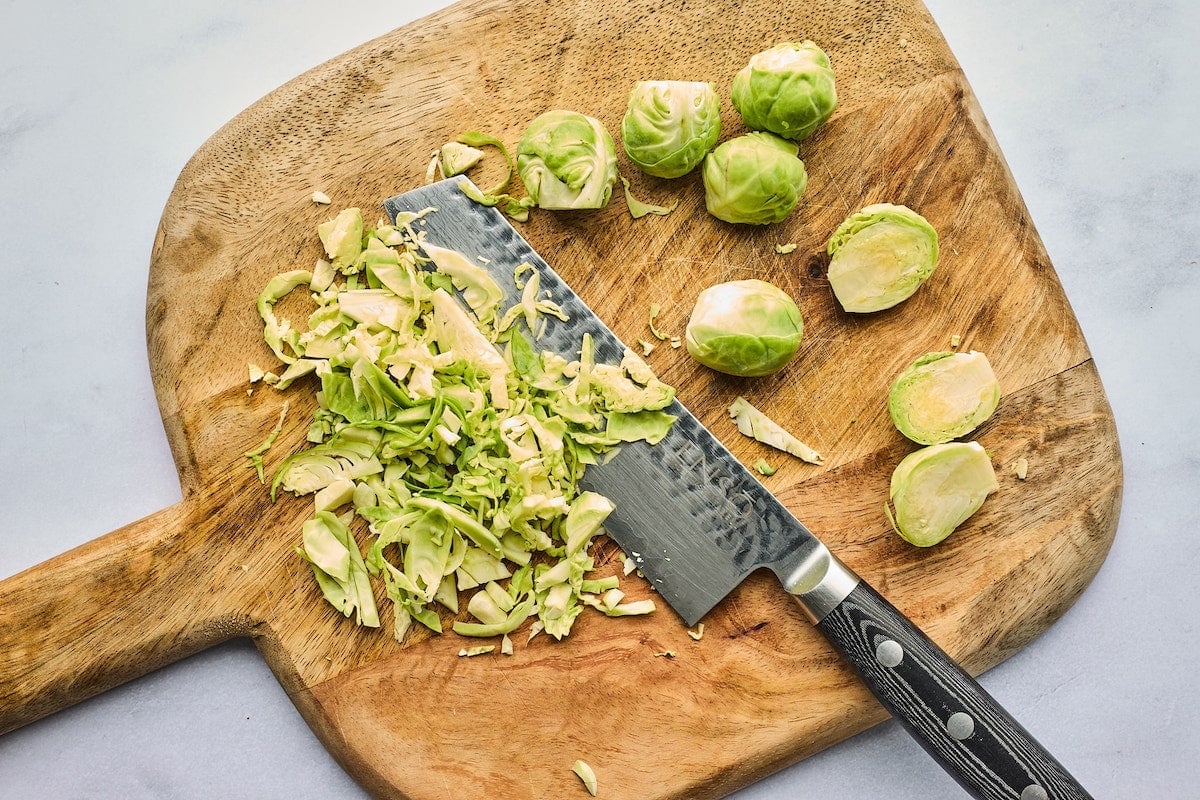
[944, 708]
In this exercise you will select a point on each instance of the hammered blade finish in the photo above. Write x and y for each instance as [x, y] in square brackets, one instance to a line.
[693, 519]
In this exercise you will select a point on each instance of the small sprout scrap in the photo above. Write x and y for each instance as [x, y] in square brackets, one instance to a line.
[746, 328]
[1021, 468]
[655, 310]
[639, 209]
[455, 158]
[342, 237]
[757, 425]
[256, 455]
[936, 488]
[763, 468]
[698, 633]
[321, 199]
[955, 341]
[784, 249]
[587, 775]
[517, 208]
[665, 654]
[471, 652]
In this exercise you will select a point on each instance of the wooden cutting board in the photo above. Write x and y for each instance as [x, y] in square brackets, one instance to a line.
[761, 689]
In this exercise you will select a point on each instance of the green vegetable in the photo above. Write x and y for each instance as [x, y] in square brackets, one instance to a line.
[745, 328]
[457, 443]
[935, 489]
[256, 454]
[787, 89]
[670, 125]
[478, 288]
[757, 425]
[517, 208]
[330, 549]
[587, 775]
[764, 468]
[755, 179]
[342, 237]
[567, 161]
[276, 333]
[942, 396]
[455, 158]
[879, 256]
[639, 209]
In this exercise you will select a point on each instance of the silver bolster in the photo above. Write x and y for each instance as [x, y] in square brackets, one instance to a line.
[819, 583]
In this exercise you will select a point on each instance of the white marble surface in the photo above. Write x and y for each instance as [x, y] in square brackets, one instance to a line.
[1096, 105]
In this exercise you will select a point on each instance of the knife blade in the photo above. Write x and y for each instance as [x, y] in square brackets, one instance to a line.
[697, 522]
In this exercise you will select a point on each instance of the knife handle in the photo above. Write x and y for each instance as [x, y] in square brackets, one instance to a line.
[957, 722]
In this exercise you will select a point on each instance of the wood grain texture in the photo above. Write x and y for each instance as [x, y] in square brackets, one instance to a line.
[761, 689]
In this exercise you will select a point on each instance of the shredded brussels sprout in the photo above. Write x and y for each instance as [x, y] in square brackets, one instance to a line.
[458, 443]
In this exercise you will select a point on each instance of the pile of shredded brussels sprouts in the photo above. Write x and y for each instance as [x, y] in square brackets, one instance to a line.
[458, 442]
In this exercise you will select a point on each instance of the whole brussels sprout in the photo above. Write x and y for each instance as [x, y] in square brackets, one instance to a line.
[746, 328]
[755, 179]
[567, 160]
[787, 89]
[670, 125]
[935, 489]
[942, 396]
[880, 256]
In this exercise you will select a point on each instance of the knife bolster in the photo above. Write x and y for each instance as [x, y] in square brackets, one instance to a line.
[819, 581]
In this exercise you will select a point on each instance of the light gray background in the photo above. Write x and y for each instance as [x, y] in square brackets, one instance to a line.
[1095, 105]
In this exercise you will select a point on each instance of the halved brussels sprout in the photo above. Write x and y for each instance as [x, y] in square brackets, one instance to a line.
[567, 160]
[745, 328]
[755, 179]
[787, 89]
[935, 489]
[942, 396]
[880, 256]
[669, 126]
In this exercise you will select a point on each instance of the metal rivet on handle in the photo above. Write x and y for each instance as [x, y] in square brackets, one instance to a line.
[889, 653]
[960, 726]
[1034, 792]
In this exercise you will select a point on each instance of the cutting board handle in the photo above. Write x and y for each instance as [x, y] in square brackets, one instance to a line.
[116, 608]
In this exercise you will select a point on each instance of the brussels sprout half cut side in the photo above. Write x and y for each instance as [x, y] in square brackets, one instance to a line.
[942, 396]
[936, 489]
[880, 256]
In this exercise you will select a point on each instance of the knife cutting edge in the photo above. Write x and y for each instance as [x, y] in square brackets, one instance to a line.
[696, 523]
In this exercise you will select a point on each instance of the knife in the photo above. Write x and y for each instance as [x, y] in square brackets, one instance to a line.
[696, 522]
